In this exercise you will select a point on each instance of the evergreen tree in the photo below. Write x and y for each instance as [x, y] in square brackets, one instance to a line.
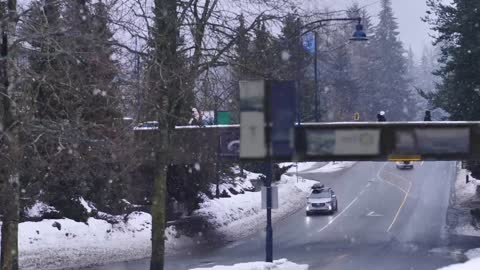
[240, 66]
[73, 82]
[458, 29]
[263, 53]
[391, 83]
[363, 74]
[294, 63]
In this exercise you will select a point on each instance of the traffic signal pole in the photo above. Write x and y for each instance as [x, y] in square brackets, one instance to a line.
[268, 176]
[269, 229]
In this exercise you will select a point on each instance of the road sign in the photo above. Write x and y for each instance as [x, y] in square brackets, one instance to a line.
[274, 197]
[344, 142]
[223, 118]
[252, 119]
[283, 107]
[309, 42]
[356, 116]
[229, 144]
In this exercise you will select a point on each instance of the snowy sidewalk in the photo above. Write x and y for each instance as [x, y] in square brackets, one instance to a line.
[282, 264]
[317, 167]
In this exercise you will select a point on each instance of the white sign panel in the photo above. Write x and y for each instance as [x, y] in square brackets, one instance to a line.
[274, 197]
[357, 142]
[343, 142]
[252, 135]
[252, 96]
[252, 120]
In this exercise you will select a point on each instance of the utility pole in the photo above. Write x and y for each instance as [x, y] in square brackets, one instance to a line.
[268, 175]
[358, 35]
[317, 101]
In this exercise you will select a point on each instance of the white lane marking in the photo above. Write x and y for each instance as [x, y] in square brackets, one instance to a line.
[421, 163]
[400, 208]
[334, 218]
[354, 200]
[381, 168]
[373, 214]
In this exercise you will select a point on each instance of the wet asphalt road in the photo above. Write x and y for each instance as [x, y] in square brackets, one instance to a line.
[387, 219]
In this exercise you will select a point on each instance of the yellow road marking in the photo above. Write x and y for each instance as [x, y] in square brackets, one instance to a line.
[394, 185]
[400, 208]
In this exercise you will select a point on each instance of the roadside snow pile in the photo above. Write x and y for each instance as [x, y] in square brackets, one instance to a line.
[238, 184]
[469, 265]
[473, 253]
[466, 199]
[39, 209]
[64, 243]
[240, 215]
[334, 167]
[302, 166]
[282, 264]
[463, 191]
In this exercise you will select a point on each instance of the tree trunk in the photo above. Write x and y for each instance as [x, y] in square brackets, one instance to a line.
[9, 127]
[159, 199]
[158, 212]
[9, 243]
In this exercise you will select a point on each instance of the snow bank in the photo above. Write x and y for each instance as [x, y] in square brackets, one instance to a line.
[239, 215]
[38, 209]
[473, 253]
[238, 184]
[281, 264]
[469, 265]
[64, 243]
[465, 198]
[334, 167]
[302, 166]
[463, 191]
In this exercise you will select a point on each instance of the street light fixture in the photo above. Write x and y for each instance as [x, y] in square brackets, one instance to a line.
[358, 35]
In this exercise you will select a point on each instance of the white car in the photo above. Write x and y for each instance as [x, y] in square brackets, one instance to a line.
[321, 200]
[404, 165]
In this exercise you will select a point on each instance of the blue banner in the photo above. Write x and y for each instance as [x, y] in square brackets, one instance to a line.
[283, 114]
[309, 42]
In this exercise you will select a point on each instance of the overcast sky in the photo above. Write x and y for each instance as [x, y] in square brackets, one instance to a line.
[413, 32]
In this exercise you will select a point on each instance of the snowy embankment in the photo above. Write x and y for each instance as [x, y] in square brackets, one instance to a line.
[317, 167]
[466, 198]
[334, 166]
[300, 166]
[239, 215]
[469, 265]
[64, 243]
[281, 264]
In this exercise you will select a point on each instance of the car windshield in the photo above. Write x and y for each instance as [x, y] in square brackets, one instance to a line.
[320, 194]
[239, 134]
